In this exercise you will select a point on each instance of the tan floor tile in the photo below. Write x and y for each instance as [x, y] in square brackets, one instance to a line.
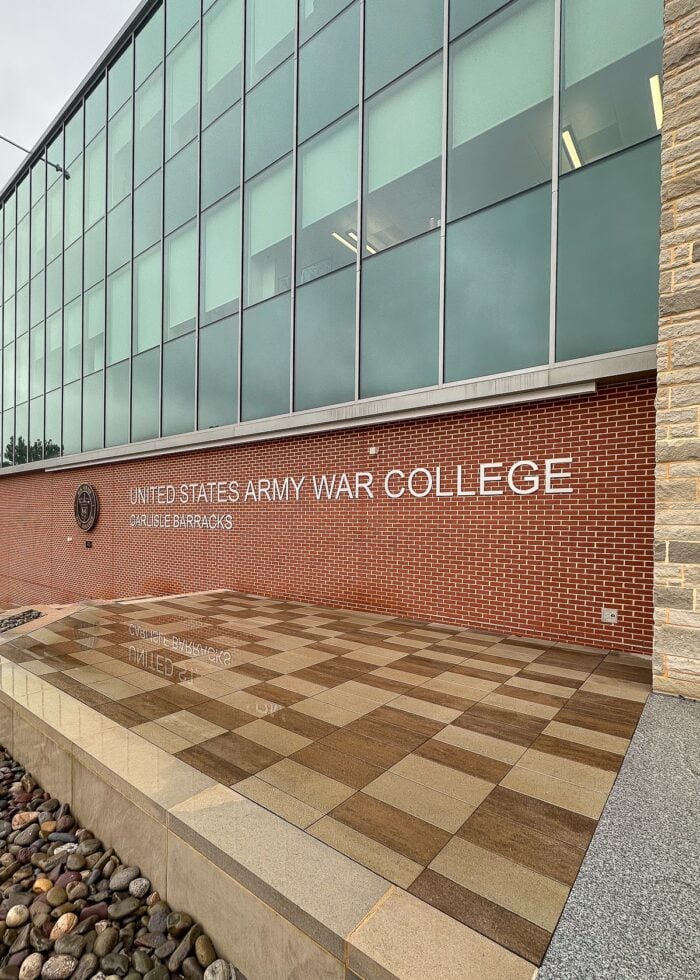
[470, 688]
[191, 727]
[298, 685]
[504, 669]
[118, 668]
[420, 801]
[373, 855]
[92, 657]
[250, 703]
[521, 706]
[584, 736]
[372, 655]
[283, 642]
[578, 773]
[273, 737]
[525, 654]
[377, 695]
[543, 687]
[274, 799]
[512, 886]
[88, 675]
[332, 713]
[403, 676]
[442, 779]
[436, 712]
[544, 669]
[38, 667]
[344, 699]
[215, 685]
[443, 658]
[555, 791]
[307, 785]
[494, 748]
[611, 688]
[116, 689]
[145, 681]
[162, 737]
[290, 662]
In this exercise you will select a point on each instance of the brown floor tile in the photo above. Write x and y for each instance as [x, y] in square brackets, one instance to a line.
[345, 768]
[414, 838]
[221, 714]
[563, 825]
[181, 697]
[471, 763]
[254, 671]
[295, 721]
[243, 753]
[385, 733]
[116, 711]
[212, 765]
[503, 927]
[625, 672]
[438, 697]
[150, 707]
[403, 719]
[570, 659]
[471, 670]
[524, 845]
[536, 697]
[598, 758]
[279, 695]
[366, 749]
[501, 723]
[533, 675]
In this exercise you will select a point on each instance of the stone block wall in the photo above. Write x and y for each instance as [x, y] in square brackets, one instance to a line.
[677, 538]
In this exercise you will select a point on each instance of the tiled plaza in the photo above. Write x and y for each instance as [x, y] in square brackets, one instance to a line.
[467, 769]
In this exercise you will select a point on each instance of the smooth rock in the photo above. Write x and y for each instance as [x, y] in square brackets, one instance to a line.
[115, 963]
[21, 941]
[17, 916]
[58, 967]
[86, 967]
[192, 970]
[57, 896]
[9, 973]
[204, 951]
[219, 970]
[142, 962]
[178, 924]
[41, 886]
[183, 950]
[31, 967]
[71, 945]
[27, 836]
[139, 887]
[123, 908]
[64, 925]
[77, 890]
[122, 878]
[159, 972]
[105, 942]
[22, 820]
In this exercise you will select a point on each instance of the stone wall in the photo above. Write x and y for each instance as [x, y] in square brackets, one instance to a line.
[677, 549]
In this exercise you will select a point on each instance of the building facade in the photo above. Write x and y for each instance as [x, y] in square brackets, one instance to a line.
[350, 302]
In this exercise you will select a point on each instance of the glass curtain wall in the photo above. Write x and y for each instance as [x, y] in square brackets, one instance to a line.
[282, 205]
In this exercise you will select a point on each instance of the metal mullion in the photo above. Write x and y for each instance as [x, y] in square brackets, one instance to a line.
[554, 234]
[443, 189]
[241, 222]
[104, 303]
[131, 250]
[63, 245]
[82, 290]
[198, 218]
[162, 218]
[360, 202]
[295, 168]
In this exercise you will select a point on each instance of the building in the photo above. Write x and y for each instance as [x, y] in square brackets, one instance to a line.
[358, 302]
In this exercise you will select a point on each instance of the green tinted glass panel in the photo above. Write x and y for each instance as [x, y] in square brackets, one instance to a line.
[38, 236]
[8, 322]
[37, 299]
[221, 259]
[22, 251]
[268, 233]
[269, 35]
[36, 429]
[328, 73]
[314, 14]
[9, 264]
[22, 369]
[94, 264]
[607, 292]
[265, 361]
[501, 145]
[54, 277]
[95, 181]
[54, 156]
[327, 201]
[218, 373]
[148, 205]
[71, 418]
[399, 333]
[73, 341]
[180, 16]
[119, 315]
[117, 405]
[93, 412]
[8, 437]
[21, 433]
[74, 138]
[180, 273]
[119, 235]
[95, 111]
[8, 375]
[221, 156]
[23, 198]
[611, 77]
[148, 128]
[54, 348]
[73, 271]
[222, 54]
[10, 207]
[52, 436]
[149, 47]
[36, 361]
[498, 270]
[74, 202]
[398, 35]
[324, 346]
[38, 178]
[119, 80]
[54, 221]
[465, 13]
[145, 395]
[148, 304]
[403, 142]
[94, 329]
[178, 385]
[182, 94]
[119, 162]
[181, 187]
[269, 118]
[22, 309]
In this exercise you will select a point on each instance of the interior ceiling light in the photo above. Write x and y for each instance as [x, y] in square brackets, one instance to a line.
[344, 241]
[571, 150]
[372, 251]
[657, 102]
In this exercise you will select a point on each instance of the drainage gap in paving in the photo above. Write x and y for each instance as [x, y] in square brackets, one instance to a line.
[71, 909]
[19, 619]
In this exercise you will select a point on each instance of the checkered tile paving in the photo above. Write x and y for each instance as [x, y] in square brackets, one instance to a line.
[467, 768]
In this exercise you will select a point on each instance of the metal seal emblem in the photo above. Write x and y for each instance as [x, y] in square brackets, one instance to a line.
[86, 507]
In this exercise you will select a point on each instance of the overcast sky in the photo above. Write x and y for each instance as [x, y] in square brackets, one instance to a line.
[46, 49]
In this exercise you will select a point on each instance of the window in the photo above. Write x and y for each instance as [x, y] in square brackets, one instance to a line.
[501, 145]
[269, 34]
[117, 405]
[181, 15]
[178, 385]
[148, 128]
[313, 14]
[269, 118]
[119, 316]
[71, 418]
[94, 265]
[72, 341]
[36, 429]
[265, 361]
[398, 35]
[218, 373]
[222, 52]
[324, 347]
[94, 181]
[93, 412]
[36, 361]
[149, 47]
[466, 13]
[23, 251]
[38, 236]
[327, 201]
[268, 233]
[22, 369]
[94, 330]
[119, 80]
[182, 95]
[54, 346]
[145, 395]
[119, 235]
[221, 259]
[497, 299]
[95, 111]
[74, 202]
[10, 261]
[402, 159]
[22, 310]
[8, 375]
[148, 206]
[73, 138]
[8, 322]
[148, 287]
[52, 427]
[181, 188]
[54, 221]
[329, 73]
[399, 326]
[119, 168]
[54, 274]
[37, 299]
[181, 281]
[221, 156]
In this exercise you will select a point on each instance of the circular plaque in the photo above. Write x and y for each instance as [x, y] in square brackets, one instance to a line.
[86, 506]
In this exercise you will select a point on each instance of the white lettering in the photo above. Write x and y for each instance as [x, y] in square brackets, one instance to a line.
[550, 474]
[484, 478]
[532, 480]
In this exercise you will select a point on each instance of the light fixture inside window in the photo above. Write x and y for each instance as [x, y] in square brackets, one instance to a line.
[571, 151]
[656, 100]
[344, 241]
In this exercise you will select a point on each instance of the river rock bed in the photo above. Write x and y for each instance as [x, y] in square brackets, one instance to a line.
[18, 619]
[71, 909]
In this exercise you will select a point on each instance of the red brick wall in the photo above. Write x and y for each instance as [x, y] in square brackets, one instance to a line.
[539, 565]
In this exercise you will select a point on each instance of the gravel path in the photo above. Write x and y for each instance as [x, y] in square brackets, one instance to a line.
[71, 909]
